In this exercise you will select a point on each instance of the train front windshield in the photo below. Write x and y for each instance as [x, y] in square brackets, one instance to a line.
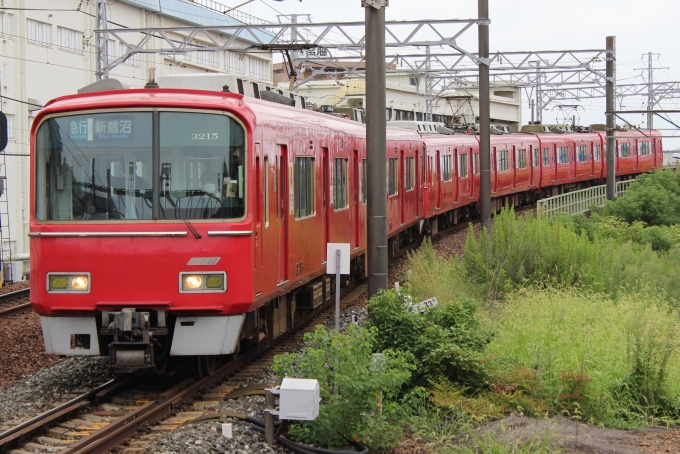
[119, 166]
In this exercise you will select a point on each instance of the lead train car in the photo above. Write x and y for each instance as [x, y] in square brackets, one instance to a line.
[177, 223]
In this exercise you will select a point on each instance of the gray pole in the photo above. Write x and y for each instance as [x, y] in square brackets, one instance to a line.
[611, 119]
[484, 118]
[102, 40]
[650, 92]
[376, 136]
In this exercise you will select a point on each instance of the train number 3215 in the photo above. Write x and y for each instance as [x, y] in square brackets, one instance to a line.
[205, 136]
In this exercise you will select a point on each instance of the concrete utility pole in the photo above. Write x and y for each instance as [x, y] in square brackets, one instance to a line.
[484, 118]
[651, 92]
[611, 119]
[376, 151]
[102, 40]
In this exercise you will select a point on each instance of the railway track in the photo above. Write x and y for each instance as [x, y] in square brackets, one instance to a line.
[14, 303]
[115, 411]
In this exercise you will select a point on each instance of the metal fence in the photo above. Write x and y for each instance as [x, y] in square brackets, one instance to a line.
[578, 201]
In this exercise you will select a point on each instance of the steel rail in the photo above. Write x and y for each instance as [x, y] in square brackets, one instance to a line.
[37, 423]
[14, 309]
[128, 425]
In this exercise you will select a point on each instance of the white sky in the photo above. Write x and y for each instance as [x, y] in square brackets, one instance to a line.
[640, 26]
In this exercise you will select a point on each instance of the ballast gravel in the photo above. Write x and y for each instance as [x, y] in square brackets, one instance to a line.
[44, 389]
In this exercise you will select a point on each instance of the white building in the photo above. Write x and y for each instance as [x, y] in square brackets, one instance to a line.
[47, 51]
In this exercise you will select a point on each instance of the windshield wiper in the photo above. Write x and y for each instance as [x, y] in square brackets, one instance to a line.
[192, 229]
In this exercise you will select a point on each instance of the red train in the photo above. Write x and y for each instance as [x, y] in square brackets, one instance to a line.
[189, 223]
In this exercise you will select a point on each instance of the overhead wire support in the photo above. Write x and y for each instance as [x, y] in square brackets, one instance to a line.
[102, 40]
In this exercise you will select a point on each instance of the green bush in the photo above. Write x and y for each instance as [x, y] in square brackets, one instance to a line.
[445, 340]
[358, 389]
[616, 363]
[526, 251]
[653, 198]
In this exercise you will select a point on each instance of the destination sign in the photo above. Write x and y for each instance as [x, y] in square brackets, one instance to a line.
[95, 129]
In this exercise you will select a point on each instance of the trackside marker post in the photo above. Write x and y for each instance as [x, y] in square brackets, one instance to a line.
[338, 263]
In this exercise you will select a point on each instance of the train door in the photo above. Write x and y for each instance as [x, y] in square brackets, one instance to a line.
[455, 176]
[417, 182]
[257, 263]
[591, 156]
[438, 177]
[325, 211]
[513, 152]
[494, 170]
[355, 198]
[283, 212]
[402, 187]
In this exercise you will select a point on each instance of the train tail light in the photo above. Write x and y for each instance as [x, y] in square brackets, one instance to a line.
[68, 282]
[203, 282]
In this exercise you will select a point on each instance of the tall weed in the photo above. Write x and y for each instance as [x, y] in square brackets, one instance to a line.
[615, 362]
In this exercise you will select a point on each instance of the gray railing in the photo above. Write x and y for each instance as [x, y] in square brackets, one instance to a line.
[234, 14]
[578, 201]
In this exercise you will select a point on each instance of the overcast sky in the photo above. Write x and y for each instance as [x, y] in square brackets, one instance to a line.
[520, 25]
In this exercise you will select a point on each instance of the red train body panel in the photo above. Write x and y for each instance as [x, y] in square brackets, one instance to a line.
[288, 181]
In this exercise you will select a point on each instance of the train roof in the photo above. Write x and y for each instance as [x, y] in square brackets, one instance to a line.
[252, 110]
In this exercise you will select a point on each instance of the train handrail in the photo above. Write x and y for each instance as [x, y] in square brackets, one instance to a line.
[578, 201]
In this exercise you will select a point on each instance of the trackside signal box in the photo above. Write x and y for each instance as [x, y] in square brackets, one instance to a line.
[299, 399]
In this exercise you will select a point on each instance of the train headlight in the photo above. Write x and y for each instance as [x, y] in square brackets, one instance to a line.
[80, 282]
[68, 282]
[193, 282]
[203, 282]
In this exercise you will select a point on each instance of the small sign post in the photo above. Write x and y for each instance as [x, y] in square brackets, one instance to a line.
[337, 263]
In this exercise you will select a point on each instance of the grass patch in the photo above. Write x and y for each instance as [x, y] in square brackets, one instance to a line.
[609, 362]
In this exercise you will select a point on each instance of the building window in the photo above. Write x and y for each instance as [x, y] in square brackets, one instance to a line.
[414, 81]
[39, 33]
[304, 187]
[393, 176]
[111, 49]
[132, 60]
[446, 167]
[475, 163]
[597, 153]
[364, 189]
[521, 159]
[463, 165]
[259, 69]
[234, 63]
[536, 157]
[582, 155]
[340, 184]
[69, 40]
[564, 155]
[207, 57]
[644, 149]
[410, 173]
[10, 126]
[502, 157]
[624, 150]
[6, 25]
[546, 156]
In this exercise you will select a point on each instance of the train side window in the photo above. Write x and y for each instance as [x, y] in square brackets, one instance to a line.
[536, 158]
[521, 159]
[446, 167]
[304, 187]
[546, 156]
[475, 163]
[502, 157]
[564, 155]
[364, 189]
[340, 199]
[644, 149]
[265, 173]
[597, 153]
[393, 176]
[463, 165]
[410, 173]
[582, 155]
[624, 150]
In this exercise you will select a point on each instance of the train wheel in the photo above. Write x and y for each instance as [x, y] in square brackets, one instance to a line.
[206, 365]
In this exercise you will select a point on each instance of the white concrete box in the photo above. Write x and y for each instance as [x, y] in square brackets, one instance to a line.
[299, 399]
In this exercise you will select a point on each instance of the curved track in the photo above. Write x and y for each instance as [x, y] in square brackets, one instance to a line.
[14, 302]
